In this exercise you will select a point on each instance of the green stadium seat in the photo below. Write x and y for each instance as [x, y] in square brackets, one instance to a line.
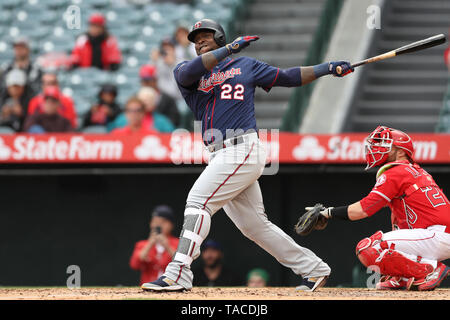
[55, 4]
[6, 130]
[99, 78]
[81, 105]
[99, 4]
[37, 34]
[49, 17]
[95, 130]
[11, 4]
[6, 18]
[34, 8]
[125, 31]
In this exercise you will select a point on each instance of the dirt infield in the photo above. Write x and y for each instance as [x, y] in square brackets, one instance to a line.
[272, 293]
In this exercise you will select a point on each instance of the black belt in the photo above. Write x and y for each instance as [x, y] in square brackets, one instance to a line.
[221, 145]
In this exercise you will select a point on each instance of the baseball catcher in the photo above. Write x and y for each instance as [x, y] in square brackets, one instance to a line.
[409, 257]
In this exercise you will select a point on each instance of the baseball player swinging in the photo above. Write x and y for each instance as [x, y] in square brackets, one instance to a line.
[409, 257]
[220, 90]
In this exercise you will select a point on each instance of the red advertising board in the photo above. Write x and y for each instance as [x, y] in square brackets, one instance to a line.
[188, 148]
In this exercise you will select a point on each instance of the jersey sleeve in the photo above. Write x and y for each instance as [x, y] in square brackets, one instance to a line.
[185, 91]
[386, 188]
[264, 75]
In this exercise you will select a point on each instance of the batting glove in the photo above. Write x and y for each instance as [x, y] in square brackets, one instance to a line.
[240, 43]
[326, 212]
[340, 68]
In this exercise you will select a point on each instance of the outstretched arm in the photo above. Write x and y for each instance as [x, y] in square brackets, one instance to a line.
[190, 72]
[299, 76]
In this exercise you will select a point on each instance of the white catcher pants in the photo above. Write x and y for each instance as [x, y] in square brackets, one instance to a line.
[230, 182]
[431, 244]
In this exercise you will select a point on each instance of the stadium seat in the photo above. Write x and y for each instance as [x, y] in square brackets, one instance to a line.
[49, 17]
[6, 130]
[55, 4]
[99, 4]
[125, 31]
[95, 130]
[38, 34]
[6, 18]
[11, 4]
[82, 105]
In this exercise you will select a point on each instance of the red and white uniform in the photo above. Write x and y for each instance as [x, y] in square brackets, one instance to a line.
[413, 196]
[420, 211]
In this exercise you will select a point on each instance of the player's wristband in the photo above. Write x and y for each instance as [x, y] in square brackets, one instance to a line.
[221, 53]
[340, 213]
[321, 69]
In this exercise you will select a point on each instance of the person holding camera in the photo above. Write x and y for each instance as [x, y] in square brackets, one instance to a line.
[151, 256]
[165, 60]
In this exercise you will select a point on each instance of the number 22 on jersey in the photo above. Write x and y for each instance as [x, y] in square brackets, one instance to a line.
[228, 92]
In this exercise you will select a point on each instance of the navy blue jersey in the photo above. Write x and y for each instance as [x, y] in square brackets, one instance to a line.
[224, 97]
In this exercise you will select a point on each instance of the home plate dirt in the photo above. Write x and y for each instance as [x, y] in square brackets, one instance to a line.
[200, 293]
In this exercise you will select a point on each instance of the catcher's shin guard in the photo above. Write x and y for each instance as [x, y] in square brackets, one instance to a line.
[375, 254]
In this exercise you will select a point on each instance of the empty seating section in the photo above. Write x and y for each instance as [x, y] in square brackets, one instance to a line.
[405, 92]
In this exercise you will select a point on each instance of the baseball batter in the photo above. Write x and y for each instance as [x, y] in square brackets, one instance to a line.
[220, 91]
[409, 256]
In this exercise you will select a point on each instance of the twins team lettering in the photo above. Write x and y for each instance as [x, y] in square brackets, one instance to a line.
[206, 85]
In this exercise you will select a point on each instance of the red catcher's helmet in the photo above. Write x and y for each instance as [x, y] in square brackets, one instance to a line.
[379, 143]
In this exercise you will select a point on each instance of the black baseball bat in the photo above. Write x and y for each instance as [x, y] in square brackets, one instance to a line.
[412, 47]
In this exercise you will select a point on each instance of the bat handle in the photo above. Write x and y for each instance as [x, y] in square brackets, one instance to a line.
[339, 68]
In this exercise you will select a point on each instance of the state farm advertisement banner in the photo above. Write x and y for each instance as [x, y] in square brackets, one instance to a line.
[187, 148]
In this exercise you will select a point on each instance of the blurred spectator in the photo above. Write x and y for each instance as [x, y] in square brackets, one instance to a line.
[166, 105]
[96, 47]
[165, 60]
[151, 256]
[153, 121]
[184, 49]
[134, 114]
[212, 272]
[15, 99]
[257, 278]
[105, 110]
[50, 120]
[66, 109]
[22, 61]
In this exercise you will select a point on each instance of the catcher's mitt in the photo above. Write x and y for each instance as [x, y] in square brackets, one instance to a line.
[311, 220]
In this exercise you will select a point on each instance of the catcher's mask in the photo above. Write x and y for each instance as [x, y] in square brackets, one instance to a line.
[379, 143]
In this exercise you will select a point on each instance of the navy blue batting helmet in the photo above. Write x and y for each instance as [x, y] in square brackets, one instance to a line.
[209, 25]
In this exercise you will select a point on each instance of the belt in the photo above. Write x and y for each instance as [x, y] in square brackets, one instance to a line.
[224, 144]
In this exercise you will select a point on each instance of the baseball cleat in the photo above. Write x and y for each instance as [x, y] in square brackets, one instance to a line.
[434, 279]
[161, 285]
[395, 283]
[311, 284]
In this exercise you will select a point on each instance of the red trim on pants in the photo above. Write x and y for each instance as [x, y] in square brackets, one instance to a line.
[248, 155]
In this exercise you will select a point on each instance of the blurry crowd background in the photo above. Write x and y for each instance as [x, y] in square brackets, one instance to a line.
[97, 65]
